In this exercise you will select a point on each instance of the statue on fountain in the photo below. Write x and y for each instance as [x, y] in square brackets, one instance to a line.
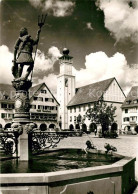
[23, 79]
[23, 54]
[23, 57]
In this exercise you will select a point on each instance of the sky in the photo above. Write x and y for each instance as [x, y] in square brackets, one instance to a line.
[102, 36]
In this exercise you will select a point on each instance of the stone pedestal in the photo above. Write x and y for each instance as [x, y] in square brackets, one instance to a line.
[22, 115]
[23, 146]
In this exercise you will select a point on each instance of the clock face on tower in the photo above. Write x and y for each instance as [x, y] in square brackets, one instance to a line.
[18, 103]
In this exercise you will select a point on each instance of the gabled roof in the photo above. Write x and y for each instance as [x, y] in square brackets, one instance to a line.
[35, 90]
[132, 95]
[90, 93]
[8, 90]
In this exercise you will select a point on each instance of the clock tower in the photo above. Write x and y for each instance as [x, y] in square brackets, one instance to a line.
[65, 87]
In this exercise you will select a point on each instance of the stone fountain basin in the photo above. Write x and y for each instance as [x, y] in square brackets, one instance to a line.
[118, 177]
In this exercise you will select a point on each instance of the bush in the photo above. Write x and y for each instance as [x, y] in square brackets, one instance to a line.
[111, 134]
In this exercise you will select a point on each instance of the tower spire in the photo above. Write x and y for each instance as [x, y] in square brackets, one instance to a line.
[66, 62]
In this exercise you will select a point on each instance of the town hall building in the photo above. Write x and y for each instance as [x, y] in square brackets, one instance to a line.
[74, 102]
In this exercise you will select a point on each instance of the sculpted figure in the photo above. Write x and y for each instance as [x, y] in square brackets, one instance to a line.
[17, 127]
[23, 54]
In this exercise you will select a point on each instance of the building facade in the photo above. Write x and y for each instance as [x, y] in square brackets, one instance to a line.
[74, 102]
[108, 90]
[43, 110]
[130, 111]
[65, 87]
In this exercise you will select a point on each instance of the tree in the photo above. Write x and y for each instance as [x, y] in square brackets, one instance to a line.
[101, 113]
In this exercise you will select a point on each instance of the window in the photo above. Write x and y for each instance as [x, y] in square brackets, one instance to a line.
[74, 109]
[33, 106]
[66, 82]
[37, 116]
[4, 105]
[126, 110]
[89, 105]
[128, 102]
[49, 99]
[74, 118]
[6, 97]
[79, 108]
[40, 107]
[46, 99]
[7, 106]
[84, 108]
[70, 110]
[43, 91]
[10, 116]
[40, 98]
[11, 106]
[32, 116]
[135, 101]
[126, 119]
[35, 98]
[134, 118]
[70, 118]
[52, 100]
[46, 107]
[3, 115]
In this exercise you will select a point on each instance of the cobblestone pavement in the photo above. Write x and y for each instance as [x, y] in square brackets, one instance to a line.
[125, 144]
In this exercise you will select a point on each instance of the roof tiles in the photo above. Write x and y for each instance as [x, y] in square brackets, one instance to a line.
[132, 95]
[90, 93]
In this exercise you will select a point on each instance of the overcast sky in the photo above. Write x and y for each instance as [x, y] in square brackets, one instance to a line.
[102, 36]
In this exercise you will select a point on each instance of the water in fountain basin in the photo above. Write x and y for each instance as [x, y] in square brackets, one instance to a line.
[57, 160]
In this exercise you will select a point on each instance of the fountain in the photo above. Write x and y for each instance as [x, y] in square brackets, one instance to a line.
[63, 171]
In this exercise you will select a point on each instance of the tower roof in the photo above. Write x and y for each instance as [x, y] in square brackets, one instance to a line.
[65, 55]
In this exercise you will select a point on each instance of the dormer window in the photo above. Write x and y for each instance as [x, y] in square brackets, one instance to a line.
[135, 101]
[128, 102]
[6, 97]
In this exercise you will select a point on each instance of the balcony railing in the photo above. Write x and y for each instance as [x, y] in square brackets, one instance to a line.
[43, 119]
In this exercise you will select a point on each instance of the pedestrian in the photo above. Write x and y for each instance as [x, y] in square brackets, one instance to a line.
[95, 131]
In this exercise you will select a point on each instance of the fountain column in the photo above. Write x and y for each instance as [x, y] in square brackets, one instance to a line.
[23, 57]
[22, 115]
